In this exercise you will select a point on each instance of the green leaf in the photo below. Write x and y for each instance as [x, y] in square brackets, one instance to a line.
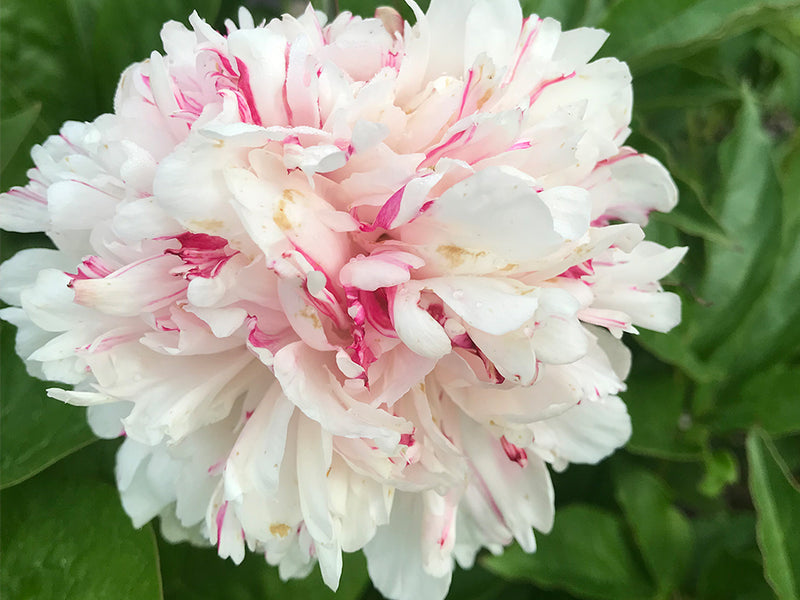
[65, 537]
[656, 406]
[648, 33]
[362, 8]
[771, 330]
[721, 470]
[726, 560]
[36, 67]
[199, 574]
[677, 85]
[37, 430]
[662, 533]
[776, 496]
[479, 584]
[770, 399]
[570, 13]
[586, 554]
[674, 349]
[749, 209]
[41, 63]
[14, 130]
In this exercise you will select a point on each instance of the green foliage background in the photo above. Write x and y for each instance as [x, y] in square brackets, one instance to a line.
[703, 503]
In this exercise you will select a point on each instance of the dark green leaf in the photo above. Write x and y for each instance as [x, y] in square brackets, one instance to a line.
[37, 430]
[771, 331]
[770, 399]
[777, 500]
[14, 130]
[677, 85]
[65, 537]
[652, 32]
[727, 561]
[199, 574]
[363, 8]
[479, 584]
[662, 533]
[749, 209]
[36, 65]
[674, 349]
[586, 554]
[571, 13]
[658, 416]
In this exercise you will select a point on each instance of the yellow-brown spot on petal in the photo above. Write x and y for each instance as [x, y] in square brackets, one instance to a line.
[509, 267]
[205, 226]
[485, 98]
[279, 529]
[310, 313]
[456, 255]
[279, 214]
[453, 254]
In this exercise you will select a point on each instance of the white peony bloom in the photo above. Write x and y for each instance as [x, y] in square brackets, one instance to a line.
[348, 286]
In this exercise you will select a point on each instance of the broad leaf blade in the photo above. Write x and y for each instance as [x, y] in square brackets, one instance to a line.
[200, 574]
[662, 533]
[770, 399]
[777, 500]
[656, 405]
[771, 330]
[586, 554]
[14, 129]
[749, 209]
[726, 559]
[37, 430]
[67, 538]
[648, 33]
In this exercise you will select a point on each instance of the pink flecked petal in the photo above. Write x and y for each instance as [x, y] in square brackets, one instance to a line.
[348, 285]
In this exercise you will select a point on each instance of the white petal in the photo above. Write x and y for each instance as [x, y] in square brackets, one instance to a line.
[146, 285]
[492, 27]
[394, 556]
[314, 448]
[256, 458]
[491, 305]
[588, 432]
[385, 269]
[498, 210]
[76, 205]
[23, 211]
[571, 210]
[524, 495]
[577, 46]
[20, 271]
[309, 384]
[512, 354]
[415, 326]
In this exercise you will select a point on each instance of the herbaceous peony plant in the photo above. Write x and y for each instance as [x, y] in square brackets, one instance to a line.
[348, 286]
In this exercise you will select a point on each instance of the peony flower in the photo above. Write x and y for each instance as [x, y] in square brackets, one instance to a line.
[348, 286]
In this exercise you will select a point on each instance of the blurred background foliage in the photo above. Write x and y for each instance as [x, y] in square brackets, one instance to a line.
[703, 502]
